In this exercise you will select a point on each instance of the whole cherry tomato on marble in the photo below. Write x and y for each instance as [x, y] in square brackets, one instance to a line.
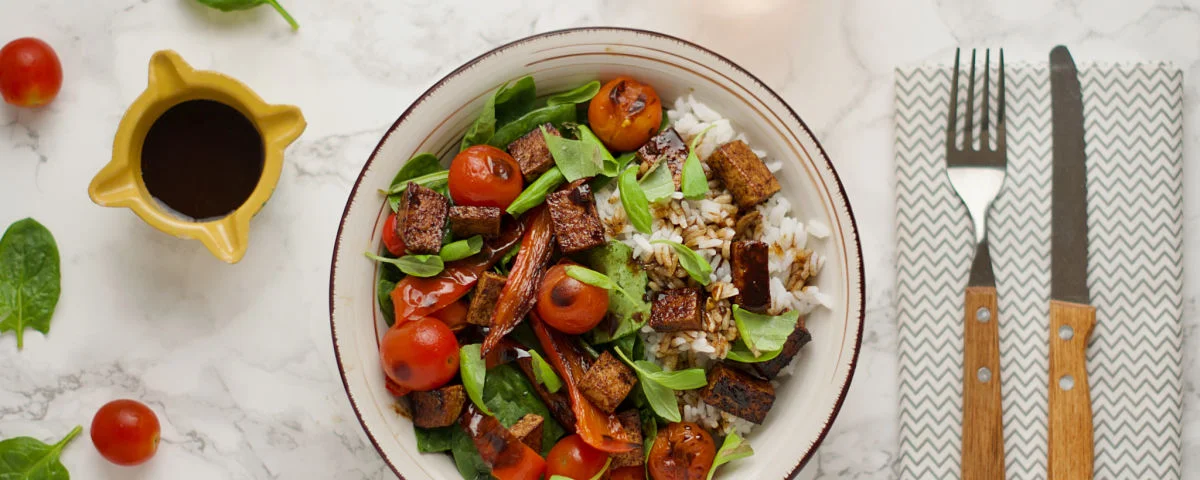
[125, 432]
[30, 73]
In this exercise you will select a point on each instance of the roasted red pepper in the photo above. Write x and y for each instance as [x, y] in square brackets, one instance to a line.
[416, 297]
[599, 429]
[509, 458]
[520, 291]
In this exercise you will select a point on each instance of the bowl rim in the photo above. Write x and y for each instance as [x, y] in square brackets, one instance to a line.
[841, 189]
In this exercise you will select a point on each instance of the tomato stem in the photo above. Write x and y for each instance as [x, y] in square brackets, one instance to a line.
[279, 8]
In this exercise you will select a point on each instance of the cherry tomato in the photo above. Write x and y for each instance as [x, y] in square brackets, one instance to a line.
[419, 355]
[628, 473]
[485, 176]
[391, 235]
[625, 114]
[453, 315]
[573, 458]
[682, 451]
[125, 432]
[30, 73]
[569, 305]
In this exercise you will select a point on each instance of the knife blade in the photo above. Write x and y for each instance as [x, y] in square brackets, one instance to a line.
[1072, 319]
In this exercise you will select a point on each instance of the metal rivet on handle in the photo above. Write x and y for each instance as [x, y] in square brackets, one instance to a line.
[983, 374]
[1065, 332]
[1066, 382]
[983, 314]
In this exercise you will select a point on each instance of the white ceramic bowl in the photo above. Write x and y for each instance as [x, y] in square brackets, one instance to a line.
[806, 403]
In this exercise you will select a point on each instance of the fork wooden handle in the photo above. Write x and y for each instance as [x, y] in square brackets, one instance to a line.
[1071, 444]
[983, 426]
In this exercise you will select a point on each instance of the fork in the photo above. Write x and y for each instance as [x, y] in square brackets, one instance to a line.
[977, 173]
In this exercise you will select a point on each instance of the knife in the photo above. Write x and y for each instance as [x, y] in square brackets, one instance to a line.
[1071, 317]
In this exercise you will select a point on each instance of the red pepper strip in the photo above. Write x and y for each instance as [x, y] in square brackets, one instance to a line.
[558, 403]
[602, 431]
[416, 297]
[520, 291]
[509, 458]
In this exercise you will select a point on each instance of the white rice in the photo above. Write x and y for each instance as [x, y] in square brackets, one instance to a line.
[707, 226]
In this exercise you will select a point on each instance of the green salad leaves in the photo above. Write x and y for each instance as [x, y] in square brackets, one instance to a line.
[473, 369]
[416, 265]
[630, 312]
[461, 249]
[760, 337]
[633, 199]
[421, 165]
[659, 386]
[544, 373]
[30, 278]
[28, 458]
[733, 448]
[580, 94]
[692, 181]
[536, 192]
[234, 5]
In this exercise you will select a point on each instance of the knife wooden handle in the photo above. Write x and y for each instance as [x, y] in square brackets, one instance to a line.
[983, 426]
[1071, 444]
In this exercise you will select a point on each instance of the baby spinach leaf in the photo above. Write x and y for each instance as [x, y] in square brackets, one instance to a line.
[692, 181]
[658, 184]
[764, 333]
[536, 192]
[515, 100]
[666, 121]
[615, 261]
[467, 458]
[609, 165]
[461, 249]
[433, 180]
[578, 94]
[434, 440]
[416, 265]
[474, 374]
[659, 386]
[739, 352]
[27, 458]
[554, 115]
[594, 278]
[544, 373]
[633, 198]
[419, 165]
[689, 379]
[30, 280]
[484, 126]
[696, 266]
[649, 431]
[575, 159]
[383, 291]
[233, 5]
[733, 448]
[510, 395]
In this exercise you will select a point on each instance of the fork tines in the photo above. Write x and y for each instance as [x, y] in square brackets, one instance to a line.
[968, 130]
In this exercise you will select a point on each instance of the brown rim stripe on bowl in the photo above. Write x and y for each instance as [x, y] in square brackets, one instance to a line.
[841, 190]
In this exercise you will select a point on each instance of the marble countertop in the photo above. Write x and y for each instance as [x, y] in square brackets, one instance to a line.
[237, 360]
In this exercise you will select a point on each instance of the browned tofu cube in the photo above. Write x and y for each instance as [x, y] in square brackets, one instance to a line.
[633, 426]
[529, 430]
[577, 226]
[531, 153]
[438, 408]
[677, 310]
[738, 393]
[744, 174]
[470, 221]
[607, 382]
[666, 147]
[750, 275]
[483, 304]
[425, 213]
[771, 368]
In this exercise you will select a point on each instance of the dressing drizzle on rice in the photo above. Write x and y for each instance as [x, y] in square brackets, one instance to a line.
[709, 226]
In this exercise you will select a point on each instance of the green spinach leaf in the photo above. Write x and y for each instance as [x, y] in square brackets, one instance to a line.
[419, 165]
[658, 184]
[578, 94]
[659, 386]
[764, 334]
[233, 5]
[515, 100]
[544, 373]
[467, 458]
[435, 180]
[509, 394]
[692, 181]
[30, 278]
[416, 265]
[575, 159]
[733, 448]
[461, 249]
[695, 265]
[609, 166]
[630, 311]
[554, 115]
[739, 352]
[474, 374]
[434, 440]
[633, 199]
[27, 458]
[536, 192]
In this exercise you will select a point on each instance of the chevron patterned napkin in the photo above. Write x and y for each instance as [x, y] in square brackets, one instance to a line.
[1134, 133]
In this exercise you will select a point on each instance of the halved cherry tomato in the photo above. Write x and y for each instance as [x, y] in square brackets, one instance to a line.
[453, 315]
[391, 235]
[628, 473]
[485, 176]
[625, 113]
[30, 73]
[682, 451]
[571, 457]
[419, 355]
[125, 432]
[570, 305]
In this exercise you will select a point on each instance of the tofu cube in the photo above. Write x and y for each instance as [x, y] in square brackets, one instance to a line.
[573, 215]
[744, 174]
[529, 430]
[677, 310]
[483, 304]
[470, 221]
[798, 339]
[425, 213]
[751, 275]
[607, 382]
[532, 154]
[632, 422]
[738, 393]
[667, 147]
[438, 408]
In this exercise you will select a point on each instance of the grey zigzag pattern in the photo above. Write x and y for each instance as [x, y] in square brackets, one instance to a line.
[1134, 141]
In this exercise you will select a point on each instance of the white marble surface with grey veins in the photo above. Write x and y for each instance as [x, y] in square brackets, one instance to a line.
[237, 360]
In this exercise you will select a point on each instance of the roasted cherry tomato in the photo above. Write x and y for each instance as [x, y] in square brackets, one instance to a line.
[628, 473]
[453, 315]
[569, 305]
[625, 113]
[391, 235]
[30, 73]
[125, 432]
[571, 457]
[419, 355]
[485, 176]
[682, 451]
